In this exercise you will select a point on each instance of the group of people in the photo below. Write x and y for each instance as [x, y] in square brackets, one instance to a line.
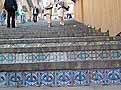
[11, 7]
[61, 7]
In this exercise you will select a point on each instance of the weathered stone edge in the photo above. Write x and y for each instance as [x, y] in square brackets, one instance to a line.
[70, 65]
[59, 40]
[60, 48]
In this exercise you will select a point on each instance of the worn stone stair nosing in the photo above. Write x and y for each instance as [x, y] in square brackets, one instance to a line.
[60, 48]
[70, 65]
[59, 40]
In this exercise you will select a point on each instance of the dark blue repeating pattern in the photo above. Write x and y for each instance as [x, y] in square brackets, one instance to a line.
[61, 78]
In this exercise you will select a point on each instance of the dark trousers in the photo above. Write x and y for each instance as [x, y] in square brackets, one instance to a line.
[11, 13]
[35, 17]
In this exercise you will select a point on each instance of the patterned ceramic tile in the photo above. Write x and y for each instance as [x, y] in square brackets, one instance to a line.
[112, 76]
[116, 54]
[31, 79]
[80, 77]
[7, 58]
[47, 78]
[97, 76]
[63, 78]
[3, 79]
[15, 79]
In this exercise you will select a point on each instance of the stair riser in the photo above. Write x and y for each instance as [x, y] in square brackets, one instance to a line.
[61, 78]
[90, 55]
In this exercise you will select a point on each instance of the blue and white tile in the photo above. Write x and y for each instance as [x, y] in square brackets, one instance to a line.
[80, 77]
[64, 78]
[47, 78]
[97, 76]
[31, 79]
[83, 55]
[112, 76]
[116, 54]
[15, 79]
[3, 79]
[72, 56]
[40, 57]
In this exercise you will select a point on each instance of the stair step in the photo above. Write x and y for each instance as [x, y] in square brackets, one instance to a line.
[61, 40]
[72, 65]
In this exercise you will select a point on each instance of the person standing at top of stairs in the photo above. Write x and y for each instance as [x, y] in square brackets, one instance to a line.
[61, 7]
[35, 13]
[11, 7]
[48, 5]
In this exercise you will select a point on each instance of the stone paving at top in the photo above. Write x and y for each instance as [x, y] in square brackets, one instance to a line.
[40, 29]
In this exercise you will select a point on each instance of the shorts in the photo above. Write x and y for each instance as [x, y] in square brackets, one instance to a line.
[47, 12]
[60, 12]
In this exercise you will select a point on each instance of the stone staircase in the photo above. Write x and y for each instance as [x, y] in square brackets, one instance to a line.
[73, 55]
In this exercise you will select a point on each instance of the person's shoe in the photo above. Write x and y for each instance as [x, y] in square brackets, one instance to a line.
[8, 26]
[49, 25]
[62, 24]
[13, 26]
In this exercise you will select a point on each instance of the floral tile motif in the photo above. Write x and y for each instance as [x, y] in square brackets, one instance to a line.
[113, 76]
[97, 76]
[116, 54]
[3, 79]
[84, 55]
[31, 79]
[15, 79]
[80, 77]
[63, 78]
[47, 78]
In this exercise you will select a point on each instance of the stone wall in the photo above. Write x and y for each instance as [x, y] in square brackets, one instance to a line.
[100, 13]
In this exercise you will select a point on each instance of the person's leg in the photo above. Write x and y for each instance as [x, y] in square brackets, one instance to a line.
[35, 18]
[13, 19]
[24, 19]
[61, 16]
[8, 19]
[62, 20]
[49, 20]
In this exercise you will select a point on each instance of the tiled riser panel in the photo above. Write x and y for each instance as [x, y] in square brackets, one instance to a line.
[61, 78]
[8, 58]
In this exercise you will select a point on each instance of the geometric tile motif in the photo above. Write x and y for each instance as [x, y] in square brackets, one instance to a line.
[116, 54]
[31, 79]
[34, 57]
[72, 56]
[2, 58]
[113, 76]
[47, 78]
[3, 79]
[57, 56]
[63, 78]
[15, 79]
[8, 58]
[104, 55]
[80, 77]
[94, 55]
[84, 55]
[97, 76]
